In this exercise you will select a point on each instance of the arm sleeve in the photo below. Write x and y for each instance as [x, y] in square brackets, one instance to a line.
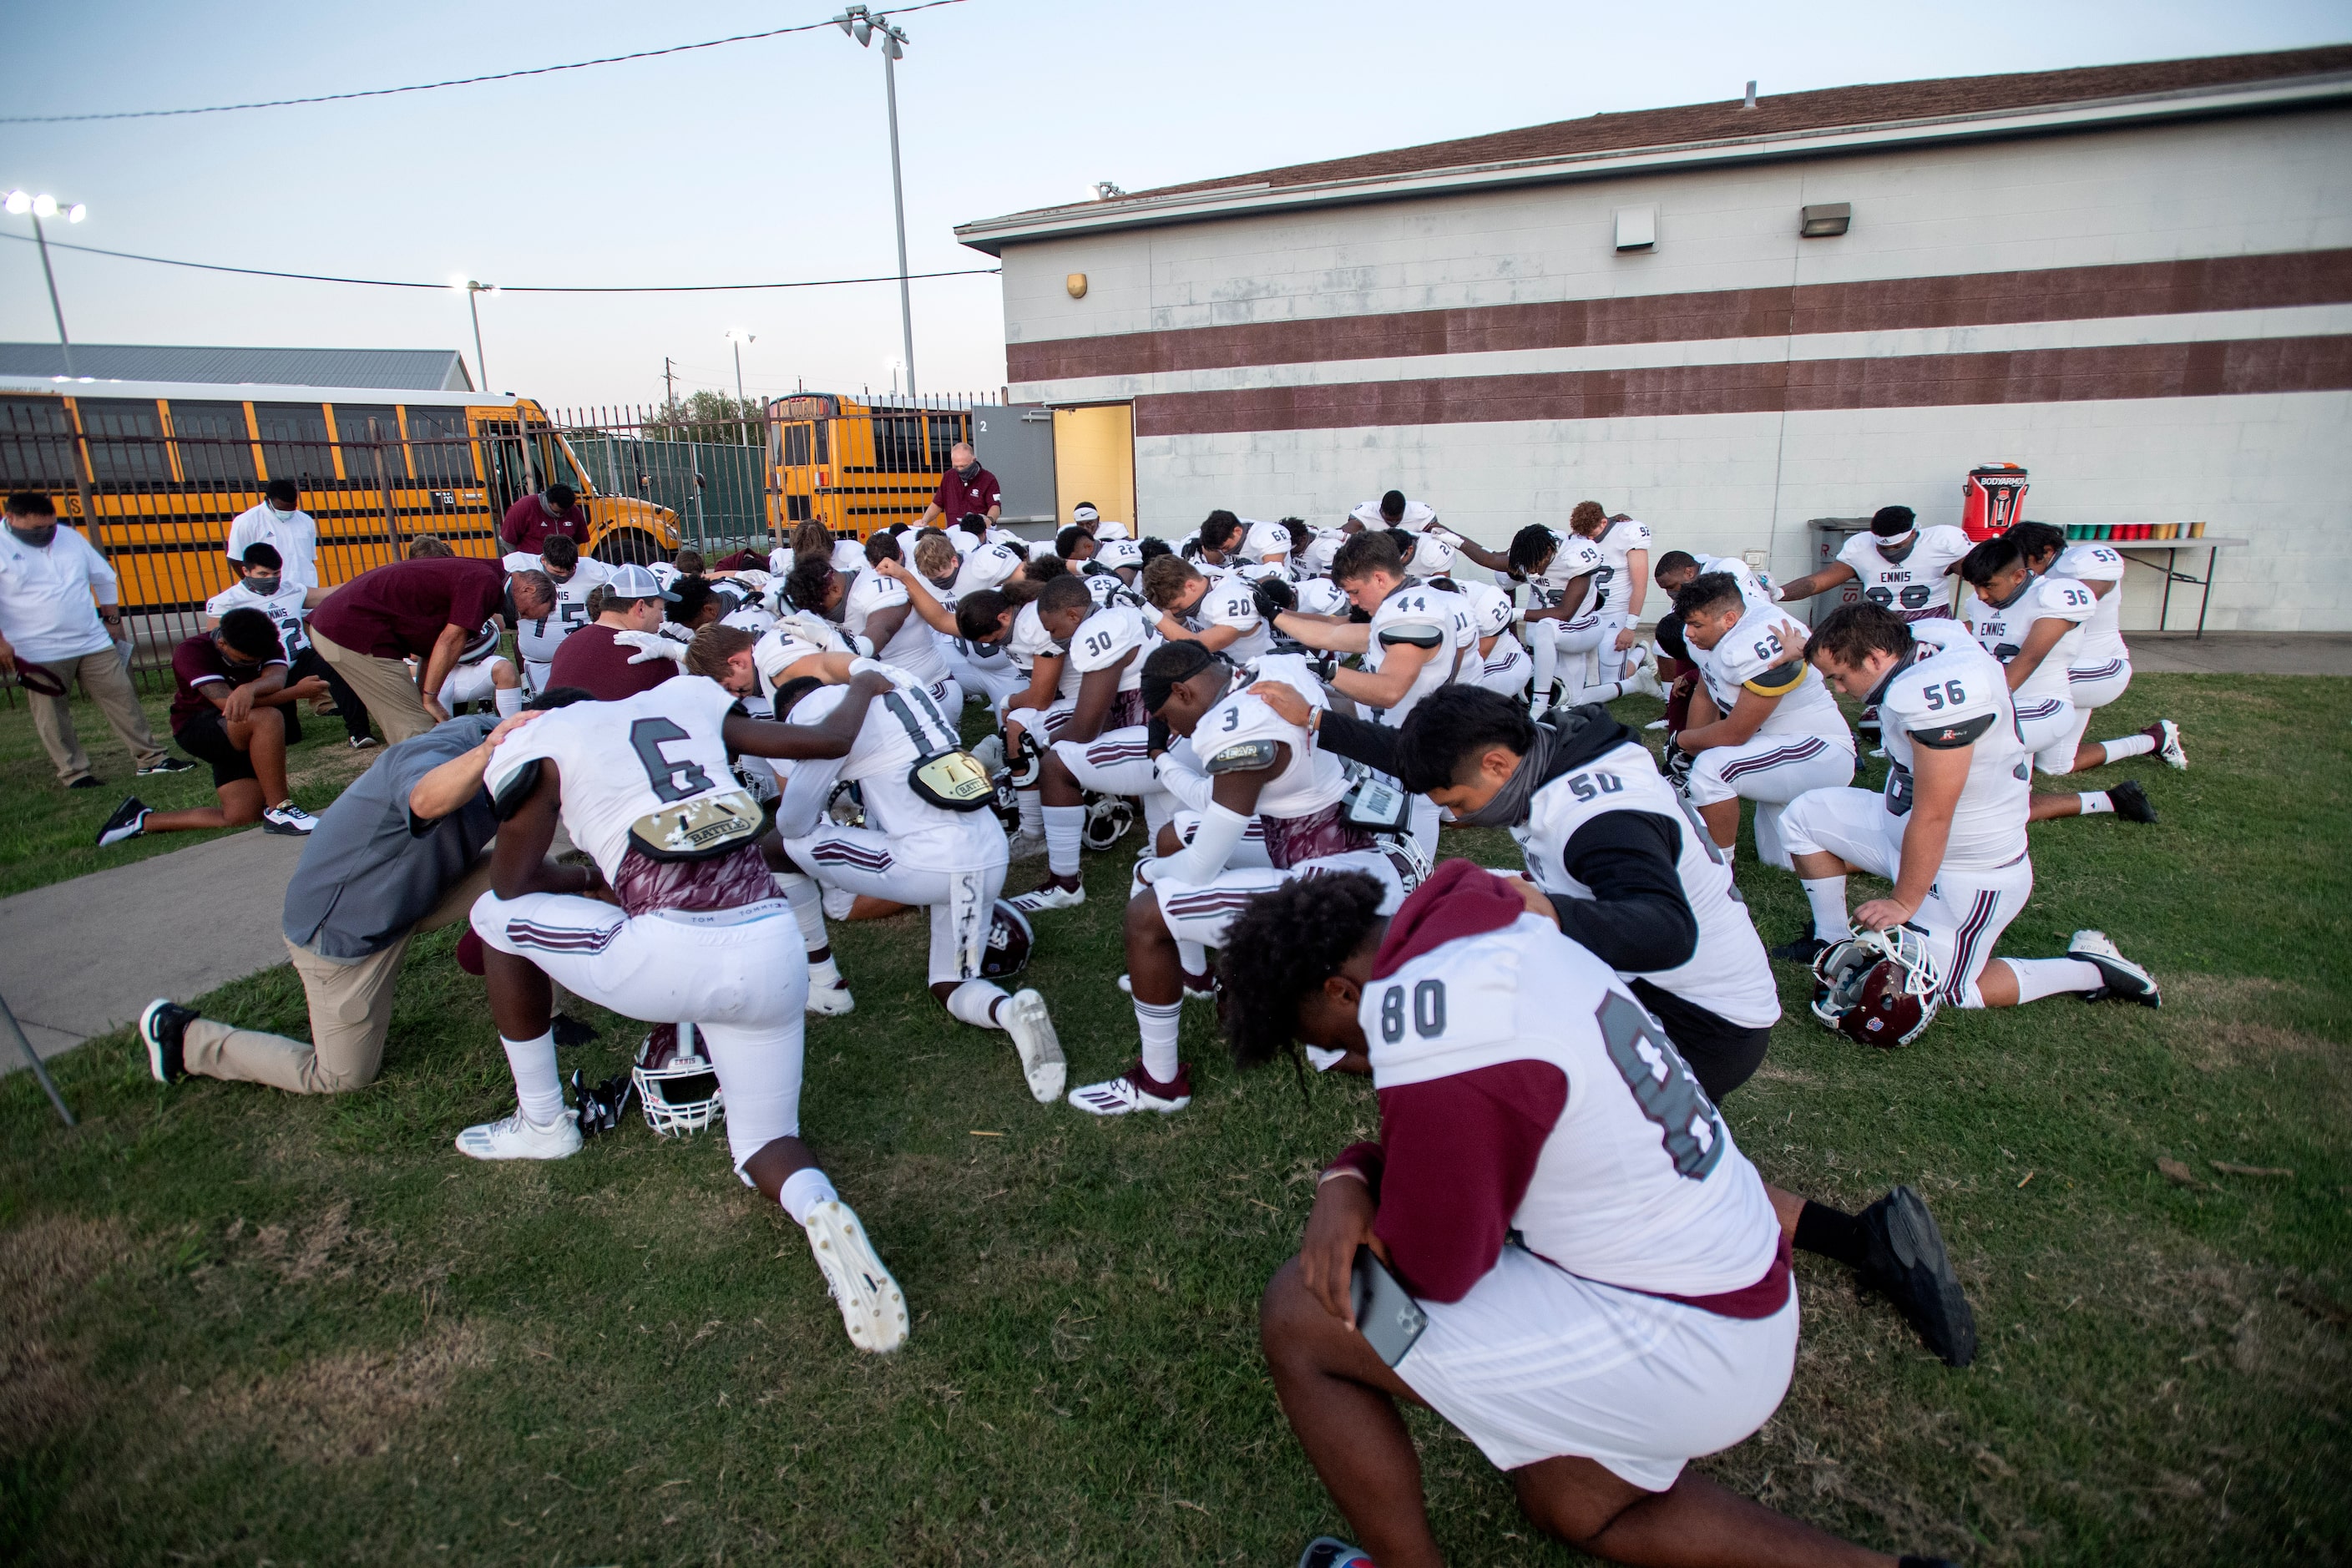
[806, 786]
[1212, 844]
[1457, 1154]
[1358, 740]
[1180, 775]
[1638, 918]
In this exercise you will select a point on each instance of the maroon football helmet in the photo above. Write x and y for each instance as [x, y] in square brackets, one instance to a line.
[1879, 988]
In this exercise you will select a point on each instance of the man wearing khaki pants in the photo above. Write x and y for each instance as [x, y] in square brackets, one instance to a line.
[59, 623]
[427, 609]
[404, 851]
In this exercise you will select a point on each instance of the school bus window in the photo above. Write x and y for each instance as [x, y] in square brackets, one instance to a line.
[556, 466]
[364, 430]
[898, 443]
[439, 448]
[796, 445]
[294, 443]
[946, 430]
[36, 447]
[797, 509]
[126, 441]
[215, 448]
[823, 441]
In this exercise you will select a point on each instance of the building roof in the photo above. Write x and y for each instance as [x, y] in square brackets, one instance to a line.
[1783, 124]
[406, 370]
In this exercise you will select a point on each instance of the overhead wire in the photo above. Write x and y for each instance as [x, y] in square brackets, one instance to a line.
[454, 81]
[512, 288]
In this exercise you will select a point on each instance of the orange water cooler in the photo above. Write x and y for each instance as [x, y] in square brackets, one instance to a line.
[1992, 498]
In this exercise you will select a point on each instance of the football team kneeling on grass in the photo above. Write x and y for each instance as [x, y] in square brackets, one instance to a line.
[1555, 1242]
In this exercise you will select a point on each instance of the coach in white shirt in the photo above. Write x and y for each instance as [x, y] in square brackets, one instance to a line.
[280, 522]
[58, 617]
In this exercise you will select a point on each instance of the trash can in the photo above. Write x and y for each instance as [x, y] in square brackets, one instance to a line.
[1829, 534]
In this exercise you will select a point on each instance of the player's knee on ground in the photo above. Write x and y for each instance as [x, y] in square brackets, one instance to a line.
[503, 676]
[1288, 1316]
[1574, 1500]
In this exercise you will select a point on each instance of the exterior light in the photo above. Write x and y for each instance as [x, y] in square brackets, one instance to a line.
[44, 205]
[77, 212]
[1637, 228]
[19, 204]
[1826, 219]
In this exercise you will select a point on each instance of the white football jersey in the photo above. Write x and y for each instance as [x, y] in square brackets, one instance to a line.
[1322, 596]
[1950, 691]
[1109, 588]
[903, 727]
[1763, 642]
[1490, 609]
[987, 566]
[1753, 591]
[537, 641]
[1232, 603]
[849, 556]
[1262, 539]
[284, 609]
[1316, 559]
[1640, 1183]
[2002, 629]
[625, 764]
[1312, 779]
[911, 648]
[1418, 613]
[1105, 637]
[1418, 516]
[1616, 543]
[1916, 586]
[1728, 973]
[2103, 634]
[1572, 558]
[1030, 641]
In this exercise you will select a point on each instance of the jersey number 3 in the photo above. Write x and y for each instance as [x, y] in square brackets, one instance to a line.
[672, 781]
[1662, 1087]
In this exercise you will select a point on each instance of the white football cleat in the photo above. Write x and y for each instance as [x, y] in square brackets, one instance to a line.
[989, 753]
[1052, 896]
[1127, 1092]
[831, 1001]
[1025, 847]
[2126, 981]
[514, 1138]
[2166, 736]
[1197, 987]
[1643, 682]
[873, 1307]
[1042, 1061]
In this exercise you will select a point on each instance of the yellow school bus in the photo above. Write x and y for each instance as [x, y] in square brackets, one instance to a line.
[855, 466]
[154, 472]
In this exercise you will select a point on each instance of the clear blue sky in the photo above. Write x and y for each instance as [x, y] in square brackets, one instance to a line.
[771, 161]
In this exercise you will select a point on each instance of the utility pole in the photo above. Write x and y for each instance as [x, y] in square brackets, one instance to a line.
[669, 385]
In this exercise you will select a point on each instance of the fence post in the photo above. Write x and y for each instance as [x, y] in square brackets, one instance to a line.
[384, 484]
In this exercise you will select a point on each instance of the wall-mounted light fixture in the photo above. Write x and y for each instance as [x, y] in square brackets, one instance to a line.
[1076, 284]
[1637, 228]
[1828, 218]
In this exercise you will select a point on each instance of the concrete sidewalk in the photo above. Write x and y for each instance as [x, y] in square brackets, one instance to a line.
[82, 958]
[2240, 653]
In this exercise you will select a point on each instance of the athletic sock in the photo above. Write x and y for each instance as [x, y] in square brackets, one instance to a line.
[2039, 977]
[1158, 1024]
[2095, 802]
[1033, 810]
[807, 900]
[1065, 824]
[974, 1003]
[1607, 691]
[537, 1088]
[1827, 895]
[508, 699]
[2129, 746]
[1830, 1233]
[1192, 957]
[803, 1190]
[1545, 646]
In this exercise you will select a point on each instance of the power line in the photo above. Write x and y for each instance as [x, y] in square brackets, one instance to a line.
[513, 287]
[455, 81]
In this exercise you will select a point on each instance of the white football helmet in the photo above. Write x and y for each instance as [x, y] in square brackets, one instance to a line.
[1879, 988]
[676, 1084]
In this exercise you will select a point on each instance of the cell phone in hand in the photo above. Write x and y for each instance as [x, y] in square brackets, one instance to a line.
[1390, 1320]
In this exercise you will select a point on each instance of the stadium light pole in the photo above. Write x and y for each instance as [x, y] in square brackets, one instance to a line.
[739, 337]
[473, 290]
[22, 203]
[862, 25]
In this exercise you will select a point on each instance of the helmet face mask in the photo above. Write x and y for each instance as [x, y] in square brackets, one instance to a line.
[1009, 941]
[676, 1086]
[1879, 988]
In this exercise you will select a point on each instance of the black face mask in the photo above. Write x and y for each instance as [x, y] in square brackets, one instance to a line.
[969, 469]
[264, 586]
[1896, 554]
[38, 538]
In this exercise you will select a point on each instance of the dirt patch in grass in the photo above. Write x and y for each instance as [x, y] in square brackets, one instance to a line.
[2215, 1021]
[352, 1404]
[44, 1265]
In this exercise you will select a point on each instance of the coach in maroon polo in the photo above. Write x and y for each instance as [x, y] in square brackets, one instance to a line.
[530, 521]
[965, 489]
[424, 609]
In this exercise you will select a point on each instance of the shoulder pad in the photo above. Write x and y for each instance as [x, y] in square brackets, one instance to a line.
[1778, 681]
[1244, 757]
[514, 789]
[1951, 736]
[1414, 634]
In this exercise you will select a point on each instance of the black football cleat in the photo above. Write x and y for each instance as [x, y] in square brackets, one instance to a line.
[1803, 950]
[1906, 1263]
[2131, 802]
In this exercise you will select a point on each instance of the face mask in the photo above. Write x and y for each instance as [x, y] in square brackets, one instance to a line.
[38, 538]
[282, 513]
[969, 469]
[264, 586]
[1898, 553]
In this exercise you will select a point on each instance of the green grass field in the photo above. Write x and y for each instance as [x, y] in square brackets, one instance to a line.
[246, 1328]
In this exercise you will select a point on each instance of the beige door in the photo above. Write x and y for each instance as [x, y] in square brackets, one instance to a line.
[1093, 460]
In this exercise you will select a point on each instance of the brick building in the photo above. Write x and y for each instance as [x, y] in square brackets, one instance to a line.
[2135, 281]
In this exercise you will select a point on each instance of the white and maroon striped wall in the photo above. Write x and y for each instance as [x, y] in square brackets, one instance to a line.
[2155, 320]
